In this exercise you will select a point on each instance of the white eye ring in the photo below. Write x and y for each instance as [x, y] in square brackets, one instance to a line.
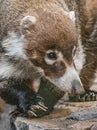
[57, 55]
[48, 61]
[50, 57]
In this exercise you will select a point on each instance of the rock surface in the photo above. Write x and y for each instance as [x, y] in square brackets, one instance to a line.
[70, 116]
[5, 118]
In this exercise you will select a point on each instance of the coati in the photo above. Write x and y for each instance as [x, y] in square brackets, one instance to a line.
[38, 39]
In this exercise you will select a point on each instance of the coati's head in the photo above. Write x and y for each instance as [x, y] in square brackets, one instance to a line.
[50, 44]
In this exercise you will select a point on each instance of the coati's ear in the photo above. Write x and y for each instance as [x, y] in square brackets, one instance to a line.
[27, 23]
[72, 16]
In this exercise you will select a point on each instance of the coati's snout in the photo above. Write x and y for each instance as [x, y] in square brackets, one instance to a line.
[60, 70]
[69, 81]
[77, 87]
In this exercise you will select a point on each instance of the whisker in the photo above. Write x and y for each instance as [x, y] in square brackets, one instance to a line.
[92, 53]
[88, 64]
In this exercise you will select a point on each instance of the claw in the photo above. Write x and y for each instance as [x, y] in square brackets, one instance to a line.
[42, 108]
[32, 113]
[40, 104]
[94, 97]
[15, 112]
[35, 107]
[32, 109]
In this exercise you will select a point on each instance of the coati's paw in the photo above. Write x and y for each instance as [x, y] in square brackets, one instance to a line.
[36, 109]
[89, 95]
[32, 106]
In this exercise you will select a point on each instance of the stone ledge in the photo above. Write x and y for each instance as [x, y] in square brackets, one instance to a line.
[85, 118]
[49, 122]
[36, 124]
[84, 125]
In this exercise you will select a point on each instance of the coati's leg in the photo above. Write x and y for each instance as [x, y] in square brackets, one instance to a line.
[27, 101]
[17, 93]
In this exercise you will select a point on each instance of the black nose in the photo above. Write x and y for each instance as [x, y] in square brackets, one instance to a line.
[77, 87]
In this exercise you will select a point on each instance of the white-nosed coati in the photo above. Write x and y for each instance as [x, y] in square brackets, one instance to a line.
[38, 39]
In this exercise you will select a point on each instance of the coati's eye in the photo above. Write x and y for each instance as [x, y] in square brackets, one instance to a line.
[52, 55]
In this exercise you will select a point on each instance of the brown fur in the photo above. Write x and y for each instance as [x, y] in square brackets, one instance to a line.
[1, 106]
[51, 38]
[91, 12]
[53, 30]
[17, 9]
[87, 15]
[42, 36]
